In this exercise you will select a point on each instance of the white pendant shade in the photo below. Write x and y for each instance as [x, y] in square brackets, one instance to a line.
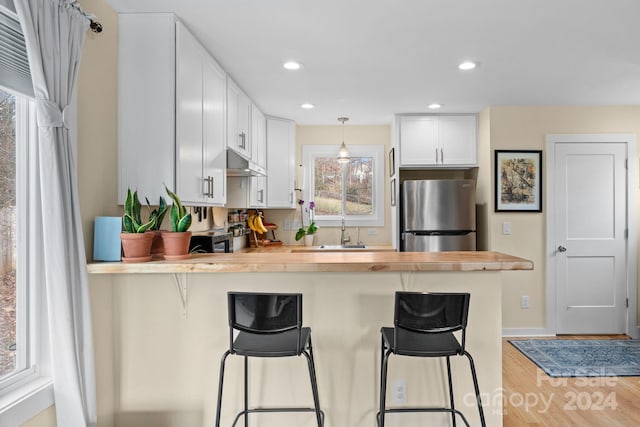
[343, 153]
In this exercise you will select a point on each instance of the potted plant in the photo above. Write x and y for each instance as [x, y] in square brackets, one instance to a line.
[136, 240]
[306, 232]
[157, 247]
[176, 241]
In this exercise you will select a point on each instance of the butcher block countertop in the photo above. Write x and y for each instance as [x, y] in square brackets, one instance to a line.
[300, 261]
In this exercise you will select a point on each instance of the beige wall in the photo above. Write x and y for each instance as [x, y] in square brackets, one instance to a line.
[526, 128]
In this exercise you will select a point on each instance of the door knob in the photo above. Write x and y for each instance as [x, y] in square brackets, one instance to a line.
[562, 249]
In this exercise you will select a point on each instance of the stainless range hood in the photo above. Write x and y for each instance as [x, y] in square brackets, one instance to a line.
[238, 165]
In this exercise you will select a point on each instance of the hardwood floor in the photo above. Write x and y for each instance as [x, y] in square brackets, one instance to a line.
[531, 398]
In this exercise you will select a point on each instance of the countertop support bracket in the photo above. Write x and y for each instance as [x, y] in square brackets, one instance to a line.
[182, 284]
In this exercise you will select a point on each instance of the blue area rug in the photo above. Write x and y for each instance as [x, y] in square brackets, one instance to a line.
[583, 358]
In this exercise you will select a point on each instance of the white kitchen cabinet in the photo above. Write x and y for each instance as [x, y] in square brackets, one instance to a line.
[171, 112]
[146, 104]
[200, 121]
[246, 192]
[258, 137]
[438, 140]
[257, 191]
[281, 155]
[238, 119]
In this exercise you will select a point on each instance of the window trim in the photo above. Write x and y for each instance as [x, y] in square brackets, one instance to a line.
[376, 151]
[28, 391]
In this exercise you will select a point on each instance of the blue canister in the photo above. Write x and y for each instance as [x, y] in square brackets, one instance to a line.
[106, 238]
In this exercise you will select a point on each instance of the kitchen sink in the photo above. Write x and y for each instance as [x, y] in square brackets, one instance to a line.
[341, 247]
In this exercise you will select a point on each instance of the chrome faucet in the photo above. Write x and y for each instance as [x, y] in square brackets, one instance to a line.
[344, 239]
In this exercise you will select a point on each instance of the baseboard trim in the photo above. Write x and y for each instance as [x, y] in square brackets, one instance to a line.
[525, 332]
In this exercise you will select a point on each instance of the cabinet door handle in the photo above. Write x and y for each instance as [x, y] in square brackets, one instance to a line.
[441, 156]
[242, 140]
[209, 181]
[291, 197]
[206, 192]
[261, 197]
[436, 156]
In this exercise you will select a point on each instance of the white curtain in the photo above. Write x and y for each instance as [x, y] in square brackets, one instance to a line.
[54, 32]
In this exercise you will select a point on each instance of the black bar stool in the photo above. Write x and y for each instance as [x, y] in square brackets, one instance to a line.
[267, 325]
[424, 324]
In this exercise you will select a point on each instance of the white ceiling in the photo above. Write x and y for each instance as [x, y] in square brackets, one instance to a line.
[369, 59]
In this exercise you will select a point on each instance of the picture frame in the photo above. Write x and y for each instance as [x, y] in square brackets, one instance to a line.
[392, 162]
[393, 192]
[518, 180]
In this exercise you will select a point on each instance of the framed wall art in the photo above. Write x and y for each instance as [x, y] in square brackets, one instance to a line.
[518, 180]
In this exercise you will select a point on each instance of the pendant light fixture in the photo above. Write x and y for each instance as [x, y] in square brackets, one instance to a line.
[343, 153]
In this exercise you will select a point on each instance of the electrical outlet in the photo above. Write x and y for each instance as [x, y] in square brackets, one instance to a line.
[506, 228]
[372, 232]
[524, 301]
[399, 391]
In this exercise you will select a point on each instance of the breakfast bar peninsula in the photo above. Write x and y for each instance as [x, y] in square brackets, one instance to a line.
[170, 328]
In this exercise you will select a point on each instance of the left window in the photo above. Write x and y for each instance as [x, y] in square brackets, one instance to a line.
[20, 299]
[25, 383]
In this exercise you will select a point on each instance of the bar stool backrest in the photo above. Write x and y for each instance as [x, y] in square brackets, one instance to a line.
[431, 313]
[264, 313]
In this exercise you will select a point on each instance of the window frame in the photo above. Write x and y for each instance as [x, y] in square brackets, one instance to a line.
[377, 153]
[28, 390]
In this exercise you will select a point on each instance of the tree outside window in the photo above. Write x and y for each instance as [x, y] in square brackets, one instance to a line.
[7, 233]
[357, 177]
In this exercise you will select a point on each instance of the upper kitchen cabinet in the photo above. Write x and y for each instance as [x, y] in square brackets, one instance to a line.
[146, 104]
[437, 141]
[258, 137]
[281, 155]
[171, 112]
[238, 119]
[200, 124]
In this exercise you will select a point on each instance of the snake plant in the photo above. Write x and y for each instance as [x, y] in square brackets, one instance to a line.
[157, 214]
[180, 218]
[131, 220]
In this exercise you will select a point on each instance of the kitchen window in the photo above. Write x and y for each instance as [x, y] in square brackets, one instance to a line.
[355, 189]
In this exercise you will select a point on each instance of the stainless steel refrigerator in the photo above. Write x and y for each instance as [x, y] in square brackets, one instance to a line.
[438, 215]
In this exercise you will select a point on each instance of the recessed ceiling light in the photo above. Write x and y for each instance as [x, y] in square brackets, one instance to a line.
[467, 65]
[435, 106]
[292, 65]
[307, 106]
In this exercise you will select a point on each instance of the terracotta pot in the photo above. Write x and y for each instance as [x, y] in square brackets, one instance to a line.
[136, 246]
[157, 247]
[176, 244]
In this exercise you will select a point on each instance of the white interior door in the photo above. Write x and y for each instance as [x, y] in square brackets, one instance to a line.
[590, 226]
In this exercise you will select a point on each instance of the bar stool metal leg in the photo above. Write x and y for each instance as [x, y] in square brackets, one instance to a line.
[220, 383]
[246, 391]
[383, 388]
[477, 389]
[314, 385]
[451, 401]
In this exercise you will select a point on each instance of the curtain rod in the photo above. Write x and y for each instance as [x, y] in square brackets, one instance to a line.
[95, 26]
